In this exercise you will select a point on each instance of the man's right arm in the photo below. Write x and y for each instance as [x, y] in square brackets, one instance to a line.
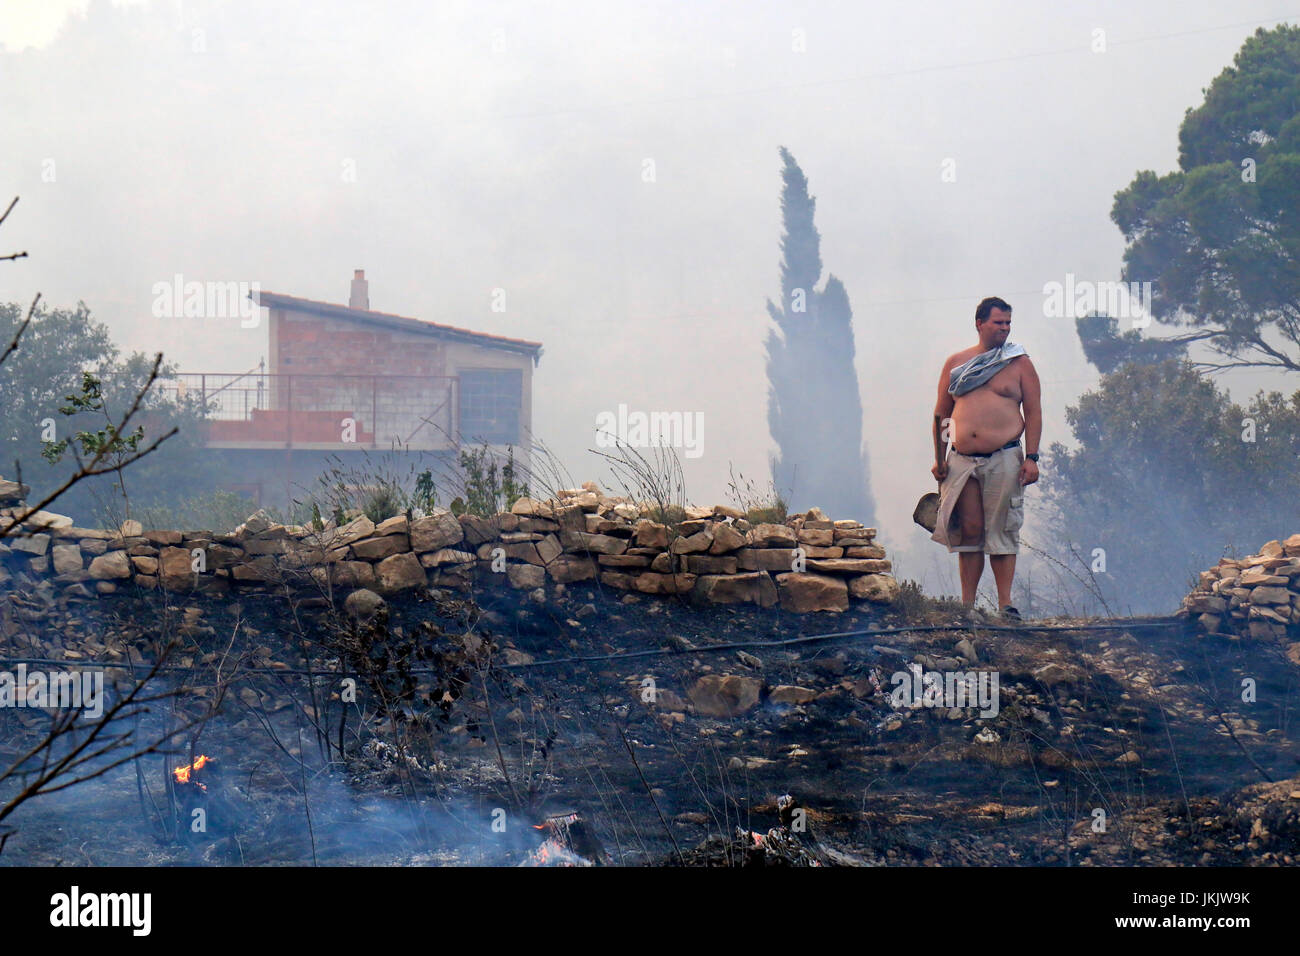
[943, 407]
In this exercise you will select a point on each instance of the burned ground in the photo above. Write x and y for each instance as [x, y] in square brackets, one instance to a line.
[666, 726]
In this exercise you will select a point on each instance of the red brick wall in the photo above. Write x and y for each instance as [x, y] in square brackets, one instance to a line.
[306, 344]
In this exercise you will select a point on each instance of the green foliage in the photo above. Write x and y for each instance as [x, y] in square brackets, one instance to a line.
[379, 488]
[486, 491]
[425, 495]
[66, 369]
[1220, 237]
[105, 442]
[1164, 479]
[1106, 348]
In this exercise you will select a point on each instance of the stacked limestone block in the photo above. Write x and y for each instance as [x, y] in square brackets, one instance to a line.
[807, 563]
[1259, 595]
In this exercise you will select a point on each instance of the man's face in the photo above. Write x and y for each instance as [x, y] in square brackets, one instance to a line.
[996, 329]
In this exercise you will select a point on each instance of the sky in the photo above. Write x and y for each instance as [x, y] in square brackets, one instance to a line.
[453, 149]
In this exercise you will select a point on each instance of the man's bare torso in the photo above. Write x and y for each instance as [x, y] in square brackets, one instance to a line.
[986, 418]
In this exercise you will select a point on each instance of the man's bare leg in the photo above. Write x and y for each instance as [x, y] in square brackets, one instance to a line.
[1004, 569]
[970, 518]
[970, 566]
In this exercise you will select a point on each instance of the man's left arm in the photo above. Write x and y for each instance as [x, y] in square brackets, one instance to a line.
[1031, 398]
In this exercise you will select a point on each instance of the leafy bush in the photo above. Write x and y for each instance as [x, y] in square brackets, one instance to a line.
[486, 492]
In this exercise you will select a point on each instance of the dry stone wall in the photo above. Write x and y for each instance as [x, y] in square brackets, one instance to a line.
[806, 563]
[1258, 595]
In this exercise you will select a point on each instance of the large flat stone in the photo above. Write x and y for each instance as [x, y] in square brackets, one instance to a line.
[435, 532]
[755, 587]
[804, 593]
[401, 572]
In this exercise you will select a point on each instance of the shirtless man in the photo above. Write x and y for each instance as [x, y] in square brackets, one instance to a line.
[982, 389]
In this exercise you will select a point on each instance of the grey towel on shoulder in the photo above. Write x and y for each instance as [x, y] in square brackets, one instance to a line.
[974, 373]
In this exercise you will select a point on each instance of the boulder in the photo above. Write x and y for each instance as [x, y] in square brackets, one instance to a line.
[1268, 595]
[766, 559]
[814, 551]
[400, 572]
[803, 592]
[110, 566]
[435, 532]
[258, 569]
[592, 543]
[726, 538]
[650, 582]
[353, 574]
[47, 521]
[362, 604]
[11, 491]
[693, 544]
[397, 524]
[376, 549]
[710, 564]
[863, 551]
[67, 558]
[820, 537]
[789, 694]
[525, 577]
[258, 521]
[354, 530]
[175, 568]
[877, 588]
[568, 568]
[754, 588]
[650, 534]
[725, 695]
[772, 536]
[33, 544]
[475, 529]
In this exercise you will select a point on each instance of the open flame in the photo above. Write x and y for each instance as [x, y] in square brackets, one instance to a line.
[558, 849]
[184, 774]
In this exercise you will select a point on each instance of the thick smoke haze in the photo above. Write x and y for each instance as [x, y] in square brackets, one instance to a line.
[614, 169]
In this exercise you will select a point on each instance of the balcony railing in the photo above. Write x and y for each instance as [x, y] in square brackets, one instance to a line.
[262, 410]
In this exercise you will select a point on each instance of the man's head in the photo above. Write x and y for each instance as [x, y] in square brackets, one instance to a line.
[993, 322]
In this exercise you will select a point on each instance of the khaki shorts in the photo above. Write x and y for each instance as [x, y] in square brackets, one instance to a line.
[1004, 501]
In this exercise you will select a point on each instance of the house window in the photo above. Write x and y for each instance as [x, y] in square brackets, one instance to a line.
[490, 403]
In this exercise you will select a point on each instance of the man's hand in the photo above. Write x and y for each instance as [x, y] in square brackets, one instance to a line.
[940, 471]
[1028, 472]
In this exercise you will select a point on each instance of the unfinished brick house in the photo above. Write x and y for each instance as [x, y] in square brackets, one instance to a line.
[344, 381]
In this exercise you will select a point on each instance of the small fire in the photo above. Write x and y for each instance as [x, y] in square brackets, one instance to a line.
[183, 774]
[568, 843]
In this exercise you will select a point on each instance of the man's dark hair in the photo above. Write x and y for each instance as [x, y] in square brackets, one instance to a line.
[985, 308]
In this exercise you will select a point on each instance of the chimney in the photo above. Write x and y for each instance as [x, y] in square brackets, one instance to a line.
[360, 298]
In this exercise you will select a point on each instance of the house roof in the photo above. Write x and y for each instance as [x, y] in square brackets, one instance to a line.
[275, 300]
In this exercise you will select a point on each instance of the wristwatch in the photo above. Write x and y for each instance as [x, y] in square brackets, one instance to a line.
[1033, 457]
